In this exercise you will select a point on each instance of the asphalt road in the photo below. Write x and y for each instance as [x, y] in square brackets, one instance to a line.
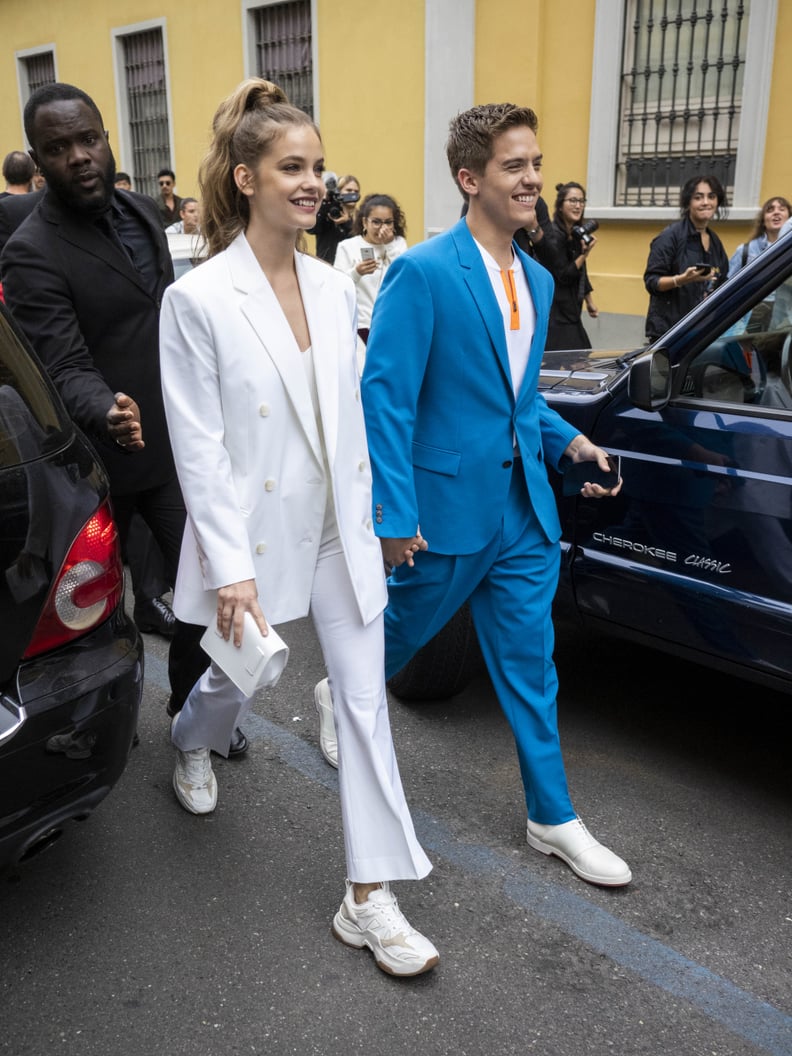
[146, 931]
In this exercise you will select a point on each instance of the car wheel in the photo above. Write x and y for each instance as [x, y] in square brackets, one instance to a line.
[445, 665]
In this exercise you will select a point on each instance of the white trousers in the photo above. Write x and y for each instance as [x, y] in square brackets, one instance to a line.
[379, 837]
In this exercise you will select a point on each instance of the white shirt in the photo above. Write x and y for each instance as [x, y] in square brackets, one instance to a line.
[518, 342]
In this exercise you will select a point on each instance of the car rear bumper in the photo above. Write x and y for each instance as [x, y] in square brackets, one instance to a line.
[76, 715]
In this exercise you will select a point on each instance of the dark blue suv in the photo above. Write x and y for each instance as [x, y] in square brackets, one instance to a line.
[695, 555]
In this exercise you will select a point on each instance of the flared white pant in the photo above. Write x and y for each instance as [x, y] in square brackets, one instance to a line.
[379, 837]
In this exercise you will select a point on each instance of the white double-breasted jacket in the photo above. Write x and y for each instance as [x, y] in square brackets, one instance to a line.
[246, 442]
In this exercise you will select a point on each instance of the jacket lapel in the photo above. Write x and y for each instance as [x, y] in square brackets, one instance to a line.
[478, 282]
[262, 310]
[89, 239]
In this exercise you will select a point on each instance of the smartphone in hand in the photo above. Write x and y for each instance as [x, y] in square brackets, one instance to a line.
[580, 473]
[366, 253]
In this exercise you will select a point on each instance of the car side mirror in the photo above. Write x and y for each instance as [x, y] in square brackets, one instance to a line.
[650, 381]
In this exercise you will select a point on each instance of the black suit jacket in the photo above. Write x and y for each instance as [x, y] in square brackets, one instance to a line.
[95, 325]
[13, 210]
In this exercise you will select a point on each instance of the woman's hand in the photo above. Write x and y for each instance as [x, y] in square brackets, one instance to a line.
[692, 274]
[366, 267]
[233, 601]
[585, 249]
[592, 309]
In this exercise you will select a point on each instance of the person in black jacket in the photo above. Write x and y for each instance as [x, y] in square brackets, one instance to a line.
[687, 260]
[146, 564]
[572, 287]
[335, 218]
[84, 277]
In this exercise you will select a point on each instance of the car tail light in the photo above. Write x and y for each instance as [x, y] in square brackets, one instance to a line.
[87, 588]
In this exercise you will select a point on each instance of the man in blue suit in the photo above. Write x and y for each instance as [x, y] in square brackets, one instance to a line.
[459, 437]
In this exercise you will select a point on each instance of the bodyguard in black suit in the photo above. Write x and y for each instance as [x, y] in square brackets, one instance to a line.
[143, 555]
[84, 276]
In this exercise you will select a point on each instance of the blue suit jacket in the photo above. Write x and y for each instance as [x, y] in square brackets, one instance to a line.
[439, 403]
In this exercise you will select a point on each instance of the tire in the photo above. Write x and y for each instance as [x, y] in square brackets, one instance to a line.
[444, 666]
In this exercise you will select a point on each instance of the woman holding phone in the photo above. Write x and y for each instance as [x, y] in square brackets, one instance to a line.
[262, 398]
[377, 239]
[687, 260]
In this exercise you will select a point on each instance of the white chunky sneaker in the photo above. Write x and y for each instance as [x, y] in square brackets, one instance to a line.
[574, 844]
[379, 924]
[328, 743]
[193, 779]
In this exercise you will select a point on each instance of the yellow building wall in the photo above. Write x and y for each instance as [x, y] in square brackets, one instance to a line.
[371, 88]
[549, 68]
[205, 61]
[371, 97]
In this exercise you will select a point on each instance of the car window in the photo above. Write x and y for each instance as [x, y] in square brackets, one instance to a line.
[32, 423]
[749, 363]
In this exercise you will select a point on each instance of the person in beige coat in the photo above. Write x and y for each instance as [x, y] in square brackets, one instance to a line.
[263, 406]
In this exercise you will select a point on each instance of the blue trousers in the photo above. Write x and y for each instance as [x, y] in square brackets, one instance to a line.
[510, 585]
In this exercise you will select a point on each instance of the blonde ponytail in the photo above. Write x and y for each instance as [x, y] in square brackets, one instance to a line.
[244, 128]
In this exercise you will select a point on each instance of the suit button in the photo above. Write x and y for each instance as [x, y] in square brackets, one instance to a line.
[260, 548]
[269, 485]
[264, 410]
[378, 507]
[379, 518]
[507, 464]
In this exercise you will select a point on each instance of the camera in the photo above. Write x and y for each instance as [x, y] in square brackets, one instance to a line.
[334, 201]
[585, 230]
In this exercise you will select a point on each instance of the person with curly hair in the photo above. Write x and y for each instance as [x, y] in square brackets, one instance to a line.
[687, 260]
[377, 239]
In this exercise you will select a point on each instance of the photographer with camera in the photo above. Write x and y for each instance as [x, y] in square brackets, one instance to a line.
[336, 214]
[572, 286]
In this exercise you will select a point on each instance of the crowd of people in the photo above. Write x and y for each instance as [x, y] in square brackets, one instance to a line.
[252, 471]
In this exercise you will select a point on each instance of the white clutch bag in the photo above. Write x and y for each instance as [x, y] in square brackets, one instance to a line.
[259, 661]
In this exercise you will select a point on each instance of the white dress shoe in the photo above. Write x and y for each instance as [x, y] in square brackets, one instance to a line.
[328, 742]
[574, 844]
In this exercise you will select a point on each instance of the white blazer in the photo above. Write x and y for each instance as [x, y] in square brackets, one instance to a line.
[246, 442]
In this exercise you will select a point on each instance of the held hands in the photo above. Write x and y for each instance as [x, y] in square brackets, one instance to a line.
[233, 601]
[396, 552]
[581, 449]
[123, 423]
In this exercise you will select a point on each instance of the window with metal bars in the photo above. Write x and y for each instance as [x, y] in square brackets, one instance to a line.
[146, 107]
[282, 38]
[681, 96]
[39, 70]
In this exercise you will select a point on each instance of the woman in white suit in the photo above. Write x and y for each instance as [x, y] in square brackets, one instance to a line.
[263, 406]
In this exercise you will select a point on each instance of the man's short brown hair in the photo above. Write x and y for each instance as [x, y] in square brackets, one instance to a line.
[471, 134]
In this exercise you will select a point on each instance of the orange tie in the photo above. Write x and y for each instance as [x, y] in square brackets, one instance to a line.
[511, 294]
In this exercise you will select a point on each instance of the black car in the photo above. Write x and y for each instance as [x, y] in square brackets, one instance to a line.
[695, 555]
[71, 661]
